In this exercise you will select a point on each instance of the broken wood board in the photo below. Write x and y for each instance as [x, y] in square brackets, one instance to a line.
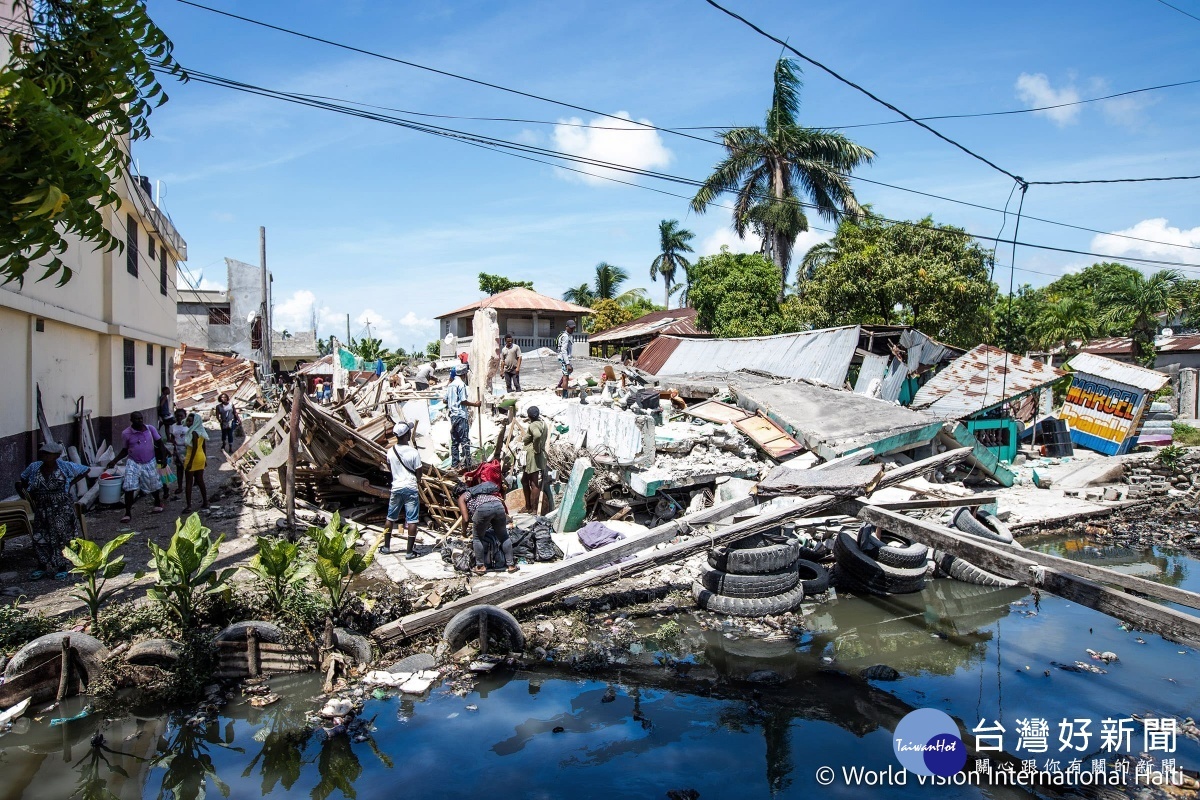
[848, 481]
[938, 502]
[717, 412]
[770, 438]
[1059, 579]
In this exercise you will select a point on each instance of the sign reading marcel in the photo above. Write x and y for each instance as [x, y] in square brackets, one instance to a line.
[1103, 414]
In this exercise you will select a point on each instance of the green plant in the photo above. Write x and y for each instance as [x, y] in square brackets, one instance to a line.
[185, 570]
[1186, 435]
[337, 561]
[1171, 456]
[281, 568]
[18, 626]
[668, 635]
[97, 565]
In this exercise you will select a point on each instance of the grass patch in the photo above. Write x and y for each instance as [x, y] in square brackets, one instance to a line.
[1186, 435]
[18, 627]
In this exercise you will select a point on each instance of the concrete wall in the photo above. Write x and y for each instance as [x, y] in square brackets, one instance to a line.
[245, 299]
[69, 340]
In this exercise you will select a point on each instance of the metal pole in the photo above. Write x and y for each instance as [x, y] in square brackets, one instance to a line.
[298, 396]
[347, 330]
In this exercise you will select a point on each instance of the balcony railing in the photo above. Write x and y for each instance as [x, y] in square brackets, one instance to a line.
[526, 343]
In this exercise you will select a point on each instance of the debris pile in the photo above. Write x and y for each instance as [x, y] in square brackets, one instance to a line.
[202, 376]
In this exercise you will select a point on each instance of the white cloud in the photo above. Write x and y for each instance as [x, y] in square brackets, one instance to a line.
[1036, 91]
[1128, 112]
[1160, 231]
[616, 141]
[296, 312]
[726, 237]
[395, 332]
[194, 279]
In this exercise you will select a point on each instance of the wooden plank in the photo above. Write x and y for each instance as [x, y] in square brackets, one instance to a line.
[770, 438]
[415, 623]
[254, 438]
[352, 414]
[716, 411]
[939, 502]
[1020, 565]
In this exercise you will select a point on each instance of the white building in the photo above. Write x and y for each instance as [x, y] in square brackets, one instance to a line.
[108, 335]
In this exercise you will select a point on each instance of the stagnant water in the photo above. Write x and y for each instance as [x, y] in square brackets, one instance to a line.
[640, 732]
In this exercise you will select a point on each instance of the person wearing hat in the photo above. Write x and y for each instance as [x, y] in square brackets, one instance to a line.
[405, 464]
[565, 343]
[460, 420]
[48, 482]
[536, 434]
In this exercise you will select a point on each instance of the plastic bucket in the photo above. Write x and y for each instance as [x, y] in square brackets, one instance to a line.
[110, 490]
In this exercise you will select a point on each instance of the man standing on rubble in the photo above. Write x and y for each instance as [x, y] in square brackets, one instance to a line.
[460, 421]
[536, 435]
[405, 463]
[565, 343]
[510, 361]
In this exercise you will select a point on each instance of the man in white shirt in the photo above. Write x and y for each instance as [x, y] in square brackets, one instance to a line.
[424, 377]
[405, 464]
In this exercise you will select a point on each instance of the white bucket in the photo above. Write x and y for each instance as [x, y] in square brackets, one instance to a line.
[110, 490]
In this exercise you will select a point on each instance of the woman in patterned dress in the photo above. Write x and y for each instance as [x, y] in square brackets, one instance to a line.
[48, 482]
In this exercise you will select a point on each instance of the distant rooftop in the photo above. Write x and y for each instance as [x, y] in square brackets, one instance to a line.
[519, 299]
[674, 321]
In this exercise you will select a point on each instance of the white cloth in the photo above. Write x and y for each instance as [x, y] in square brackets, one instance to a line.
[404, 461]
[179, 438]
[141, 476]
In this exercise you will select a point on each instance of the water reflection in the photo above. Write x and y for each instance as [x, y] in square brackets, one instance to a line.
[1159, 564]
[185, 756]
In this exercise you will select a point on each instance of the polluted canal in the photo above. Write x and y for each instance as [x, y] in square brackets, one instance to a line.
[688, 701]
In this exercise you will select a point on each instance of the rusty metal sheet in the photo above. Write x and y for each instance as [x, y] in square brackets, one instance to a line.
[772, 439]
[984, 378]
[718, 412]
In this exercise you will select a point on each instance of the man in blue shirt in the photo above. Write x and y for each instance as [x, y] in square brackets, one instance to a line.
[460, 421]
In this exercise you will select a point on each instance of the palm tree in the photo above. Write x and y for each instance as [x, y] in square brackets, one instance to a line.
[608, 281]
[1064, 322]
[765, 167]
[817, 256]
[580, 295]
[1135, 301]
[673, 241]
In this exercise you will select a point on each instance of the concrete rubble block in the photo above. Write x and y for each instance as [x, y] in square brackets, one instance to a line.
[484, 354]
[734, 489]
[629, 437]
[573, 507]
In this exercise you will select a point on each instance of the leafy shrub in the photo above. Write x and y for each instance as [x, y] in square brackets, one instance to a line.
[281, 568]
[1171, 456]
[97, 565]
[185, 570]
[18, 626]
[1186, 435]
[337, 561]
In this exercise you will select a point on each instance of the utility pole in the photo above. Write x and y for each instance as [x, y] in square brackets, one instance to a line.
[347, 330]
[368, 328]
[266, 306]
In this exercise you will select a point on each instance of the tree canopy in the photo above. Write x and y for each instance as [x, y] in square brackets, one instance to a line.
[494, 284]
[673, 243]
[769, 168]
[606, 314]
[81, 77]
[930, 276]
[734, 294]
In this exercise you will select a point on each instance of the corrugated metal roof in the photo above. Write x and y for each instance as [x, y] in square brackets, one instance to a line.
[982, 379]
[519, 299]
[675, 321]
[1129, 374]
[1123, 345]
[822, 356]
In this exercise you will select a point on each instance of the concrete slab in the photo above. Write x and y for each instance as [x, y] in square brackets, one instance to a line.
[833, 422]
[573, 507]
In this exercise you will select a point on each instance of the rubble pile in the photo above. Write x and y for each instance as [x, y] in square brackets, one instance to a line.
[201, 377]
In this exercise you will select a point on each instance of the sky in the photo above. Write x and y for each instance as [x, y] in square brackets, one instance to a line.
[392, 226]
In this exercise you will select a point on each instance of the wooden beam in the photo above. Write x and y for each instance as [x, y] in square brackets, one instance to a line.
[1020, 565]
[938, 502]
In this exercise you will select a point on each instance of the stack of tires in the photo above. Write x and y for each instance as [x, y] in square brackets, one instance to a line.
[879, 562]
[757, 577]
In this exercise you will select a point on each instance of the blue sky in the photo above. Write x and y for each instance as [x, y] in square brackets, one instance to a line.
[393, 225]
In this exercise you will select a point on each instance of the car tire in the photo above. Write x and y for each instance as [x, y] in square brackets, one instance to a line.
[733, 585]
[747, 606]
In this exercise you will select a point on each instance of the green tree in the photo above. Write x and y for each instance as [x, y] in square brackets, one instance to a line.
[932, 277]
[767, 168]
[81, 78]
[281, 568]
[608, 281]
[607, 313]
[434, 349]
[581, 295]
[1136, 301]
[1016, 319]
[494, 284]
[368, 349]
[1063, 322]
[734, 294]
[672, 243]
[1086, 287]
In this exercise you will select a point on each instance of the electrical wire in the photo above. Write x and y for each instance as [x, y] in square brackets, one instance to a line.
[501, 145]
[1116, 180]
[861, 89]
[1180, 10]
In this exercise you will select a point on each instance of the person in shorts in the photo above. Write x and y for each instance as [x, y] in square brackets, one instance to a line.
[144, 449]
[405, 464]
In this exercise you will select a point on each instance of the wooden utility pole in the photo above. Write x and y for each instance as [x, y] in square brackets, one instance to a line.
[298, 396]
[347, 330]
[266, 295]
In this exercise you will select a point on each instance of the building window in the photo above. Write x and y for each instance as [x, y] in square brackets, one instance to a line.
[131, 245]
[149, 355]
[130, 370]
[256, 334]
[218, 316]
[162, 367]
[39, 325]
[150, 249]
[162, 270]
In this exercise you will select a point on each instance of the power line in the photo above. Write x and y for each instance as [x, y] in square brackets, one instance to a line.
[501, 145]
[854, 85]
[1117, 180]
[1180, 10]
